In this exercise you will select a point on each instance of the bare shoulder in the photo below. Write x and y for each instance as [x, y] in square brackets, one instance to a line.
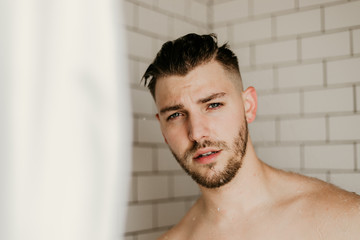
[333, 210]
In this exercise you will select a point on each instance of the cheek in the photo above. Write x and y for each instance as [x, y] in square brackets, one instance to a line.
[229, 125]
[176, 138]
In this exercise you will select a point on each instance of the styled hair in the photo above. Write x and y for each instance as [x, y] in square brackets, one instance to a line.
[182, 55]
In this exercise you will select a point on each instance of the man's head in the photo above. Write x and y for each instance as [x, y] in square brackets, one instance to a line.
[182, 55]
[202, 110]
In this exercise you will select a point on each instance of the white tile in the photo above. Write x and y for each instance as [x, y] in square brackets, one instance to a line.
[253, 30]
[298, 23]
[170, 213]
[198, 11]
[305, 3]
[303, 129]
[184, 186]
[356, 41]
[301, 76]
[133, 70]
[344, 15]
[139, 218]
[243, 55]
[344, 127]
[329, 100]
[139, 45]
[262, 131]
[142, 101]
[280, 156]
[330, 45]
[128, 13]
[166, 161]
[148, 2]
[153, 21]
[141, 69]
[358, 98]
[347, 181]
[329, 157]
[223, 35]
[149, 131]
[230, 10]
[260, 79]
[152, 187]
[276, 52]
[129, 238]
[177, 7]
[358, 155]
[343, 71]
[142, 159]
[181, 28]
[278, 104]
[266, 6]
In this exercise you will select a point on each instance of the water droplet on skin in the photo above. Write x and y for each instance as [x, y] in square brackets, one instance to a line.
[218, 209]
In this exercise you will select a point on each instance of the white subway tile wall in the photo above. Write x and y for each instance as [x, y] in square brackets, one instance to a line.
[299, 23]
[356, 41]
[302, 56]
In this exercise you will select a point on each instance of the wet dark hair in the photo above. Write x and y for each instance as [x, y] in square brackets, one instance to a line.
[182, 55]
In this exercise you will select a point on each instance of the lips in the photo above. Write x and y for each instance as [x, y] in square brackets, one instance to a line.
[205, 156]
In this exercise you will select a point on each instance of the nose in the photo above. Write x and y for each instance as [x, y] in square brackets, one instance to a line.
[198, 128]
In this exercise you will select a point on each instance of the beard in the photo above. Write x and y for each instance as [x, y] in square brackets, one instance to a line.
[234, 162]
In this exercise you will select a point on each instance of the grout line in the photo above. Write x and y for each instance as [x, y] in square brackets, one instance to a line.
[322, 20]
[155, 223]
[280, 13]
[283, 38]
[251, 8]
[355, 158]
[155, 159]
[171, 186]
[302, 157]
[210, 16]
[252, 55]
[276, 85]
[299, 49]
[328, 176]
[351, 42]
[355, 98]
[302, 103]
[277, 131]
[273, 28]
[327, 129]
[324, 62]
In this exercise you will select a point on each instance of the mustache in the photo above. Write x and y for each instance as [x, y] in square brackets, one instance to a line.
[206, 143]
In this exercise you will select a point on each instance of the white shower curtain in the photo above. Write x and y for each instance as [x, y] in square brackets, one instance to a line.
[65, 123]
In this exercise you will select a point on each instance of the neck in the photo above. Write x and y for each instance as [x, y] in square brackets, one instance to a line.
[247, 190]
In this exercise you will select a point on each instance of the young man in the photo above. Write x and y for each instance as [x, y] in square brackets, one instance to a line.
[203, 113]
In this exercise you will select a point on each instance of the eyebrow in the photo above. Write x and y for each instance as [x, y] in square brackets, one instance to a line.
[202, 100]
[171, 108]
[211, 97]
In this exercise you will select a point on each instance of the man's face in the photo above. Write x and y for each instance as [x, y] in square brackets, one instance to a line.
[202, 120]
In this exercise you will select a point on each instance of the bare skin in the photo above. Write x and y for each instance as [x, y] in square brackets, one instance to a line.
[260, 202]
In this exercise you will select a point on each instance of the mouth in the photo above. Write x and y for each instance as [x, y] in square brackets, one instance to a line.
[205, 157]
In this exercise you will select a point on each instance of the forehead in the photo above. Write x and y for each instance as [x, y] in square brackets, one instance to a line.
[205, 79]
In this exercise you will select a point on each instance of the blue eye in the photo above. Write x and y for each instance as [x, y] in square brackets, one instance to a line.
[173, 116]
[215, 105]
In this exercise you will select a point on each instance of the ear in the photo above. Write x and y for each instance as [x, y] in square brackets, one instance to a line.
[250, 104]
[158, 118]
